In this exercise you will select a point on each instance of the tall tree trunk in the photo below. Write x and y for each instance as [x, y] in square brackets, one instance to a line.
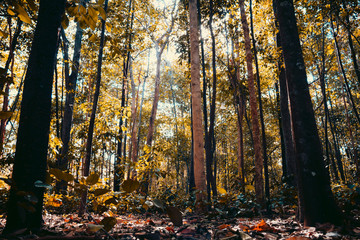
[198, 142]
[10, 59]
[317, 201]
[263, 131]
[210, 145]
[70, 86]
[351, 45]
[352, 140]
[259, 184]
[286, 123]
[326, 109]
[341, 67]
[25, 210]
[89, 140]
[119, 170]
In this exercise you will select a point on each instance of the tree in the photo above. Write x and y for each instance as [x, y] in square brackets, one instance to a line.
[26, 196]
[198, 142]
[89, 140]
[259, 185]
[316, 199]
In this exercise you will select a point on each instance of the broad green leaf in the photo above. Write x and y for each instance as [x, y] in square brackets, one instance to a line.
[40, 184]
[94, 227]
[175, 215]
[130, 185]
[5, 114]
[158, 203]
[109, 223]
[92, 179]
[101, 191]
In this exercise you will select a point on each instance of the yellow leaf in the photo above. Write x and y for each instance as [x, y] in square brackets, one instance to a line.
[108, 27]
[11, 12]
[222, 191]
[92, 179]
[65, 21]
[23, 15]
[102, 13]
[92, 38]
[249, 188]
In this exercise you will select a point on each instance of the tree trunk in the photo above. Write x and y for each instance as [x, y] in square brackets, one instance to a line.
[351, 45]
[25, 210]
[10, 59]
[259, 184]
[341, 67]
[119, 170]
[88, 151]
[210, 145]
[199, 171]
[317, 201]
[263, 131]
[70, 86]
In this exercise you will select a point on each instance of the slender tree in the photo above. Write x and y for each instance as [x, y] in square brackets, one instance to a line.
[70, 86]
[88, 151]
[259, 184]
[26, 198]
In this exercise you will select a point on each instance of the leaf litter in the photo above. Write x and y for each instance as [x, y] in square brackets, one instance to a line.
[159, 226]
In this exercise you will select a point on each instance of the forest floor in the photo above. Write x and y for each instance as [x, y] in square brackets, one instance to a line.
[156, 226]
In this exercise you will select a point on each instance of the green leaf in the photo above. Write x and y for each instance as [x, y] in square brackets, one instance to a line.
[94, 227]
[5, 114]
[92, 179]
[109, 223]
[40, 184]
[158, 203]
[175, 215]
[130, 185]
[101, 191]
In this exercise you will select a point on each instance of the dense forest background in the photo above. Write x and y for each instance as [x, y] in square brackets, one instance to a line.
[105, 106]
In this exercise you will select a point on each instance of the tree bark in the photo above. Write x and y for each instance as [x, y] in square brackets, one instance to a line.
[317, 201]
[259, 184]
[89, 140]
[263, 132]
[25, 210]
[119, 170]
[199, 171]
[70, 86]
